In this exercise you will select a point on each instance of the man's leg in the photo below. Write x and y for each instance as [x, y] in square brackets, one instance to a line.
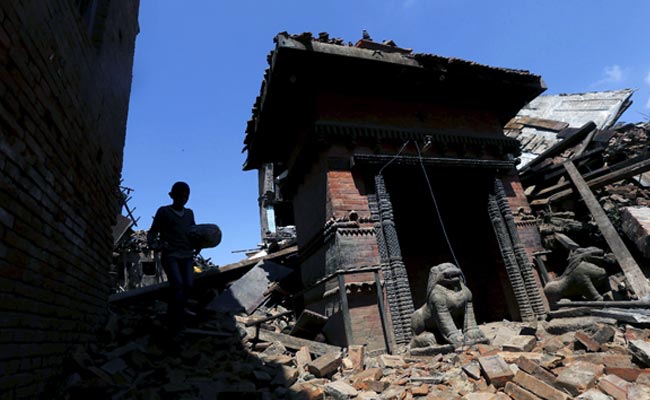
[187, 271]
[176, 297]
[186, 268]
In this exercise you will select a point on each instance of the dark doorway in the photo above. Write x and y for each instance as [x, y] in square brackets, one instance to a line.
[462, 195]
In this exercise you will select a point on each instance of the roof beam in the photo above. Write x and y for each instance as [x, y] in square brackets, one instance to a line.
[633, 273]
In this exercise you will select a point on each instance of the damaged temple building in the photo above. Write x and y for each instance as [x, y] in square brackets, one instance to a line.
[389, 162]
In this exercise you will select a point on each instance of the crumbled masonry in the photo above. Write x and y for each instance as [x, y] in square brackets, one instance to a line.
[219, 357]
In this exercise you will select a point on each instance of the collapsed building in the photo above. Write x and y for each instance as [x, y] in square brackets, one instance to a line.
[388, 162]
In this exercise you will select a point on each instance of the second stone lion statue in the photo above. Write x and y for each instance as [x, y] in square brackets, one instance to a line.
[581, 277]
[448, 309]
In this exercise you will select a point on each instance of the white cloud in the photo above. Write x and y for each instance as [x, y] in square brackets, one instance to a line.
[613, 74]
[647, 78]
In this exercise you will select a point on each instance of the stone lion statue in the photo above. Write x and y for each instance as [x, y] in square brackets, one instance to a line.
[581, 277]
[448, 307]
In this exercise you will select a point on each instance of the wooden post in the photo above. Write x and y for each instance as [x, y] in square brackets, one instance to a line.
[382, 314]
[345, 309]
[630, 268]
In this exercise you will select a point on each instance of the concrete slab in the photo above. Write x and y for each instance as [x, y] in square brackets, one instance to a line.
[635, 223]
[248, 292]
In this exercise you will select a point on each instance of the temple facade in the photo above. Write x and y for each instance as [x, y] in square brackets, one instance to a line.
[389, 162]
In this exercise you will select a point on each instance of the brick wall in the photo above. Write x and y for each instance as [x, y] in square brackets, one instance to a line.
[515, 193]
[344, 194]
[64, 92]
[330, 195]
[355, 248]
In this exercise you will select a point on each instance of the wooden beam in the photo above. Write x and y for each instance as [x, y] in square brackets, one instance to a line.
[605, 304]
[587, 176]
[345, 309]
[548, 124]
[295, 343]
[204, 278]
[250, 261]
[612, 177]
[558, 148]
[633, 273]
[555, 171]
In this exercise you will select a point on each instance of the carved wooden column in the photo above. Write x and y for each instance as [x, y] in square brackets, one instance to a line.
[398, 291]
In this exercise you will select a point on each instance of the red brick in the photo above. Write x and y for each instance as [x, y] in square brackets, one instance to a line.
[324, 365]
[629, 374]
[586, 340]
[614, 386]
[496, 370]
[540, 388]
[519, 393]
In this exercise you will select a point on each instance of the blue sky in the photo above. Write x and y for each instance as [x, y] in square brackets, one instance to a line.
[199, 65]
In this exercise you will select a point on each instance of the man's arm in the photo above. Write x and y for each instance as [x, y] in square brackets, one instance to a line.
[152, 235]
[192, 217]
[192, 223]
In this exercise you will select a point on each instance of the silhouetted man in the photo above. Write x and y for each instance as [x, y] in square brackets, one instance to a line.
[170, 234]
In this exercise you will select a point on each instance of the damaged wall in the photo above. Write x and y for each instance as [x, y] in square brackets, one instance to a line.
[64, 93]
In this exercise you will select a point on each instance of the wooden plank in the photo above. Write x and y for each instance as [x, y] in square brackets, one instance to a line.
[216, 274]
[587, 176]
[252, 261]
[548, 124]
[295, 343]
[553, 172]
[612, 177]
[605, 304]
[630, 268]
[559, 147]
[345, 309]
[585, 143]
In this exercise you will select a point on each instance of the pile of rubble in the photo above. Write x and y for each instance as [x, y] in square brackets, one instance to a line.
[587, 349]
[253, 356]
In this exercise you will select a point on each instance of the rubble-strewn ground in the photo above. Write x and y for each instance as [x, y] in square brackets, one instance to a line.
[580, 357]
[586, 353]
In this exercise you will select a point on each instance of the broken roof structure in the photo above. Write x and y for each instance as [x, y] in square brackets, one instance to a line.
[571, 136]
[341, 136]
[538, 124]
[301, 62]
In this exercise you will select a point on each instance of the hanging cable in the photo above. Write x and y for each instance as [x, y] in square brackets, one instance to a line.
[435, 204]
[394, 158]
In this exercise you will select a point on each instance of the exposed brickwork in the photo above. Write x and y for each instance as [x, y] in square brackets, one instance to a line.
[355, 249]
[515, 193]
[63, 105]
[366, 322]
[528, 232]
[344, 195]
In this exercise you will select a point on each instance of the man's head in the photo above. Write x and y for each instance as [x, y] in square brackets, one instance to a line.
[180, 193]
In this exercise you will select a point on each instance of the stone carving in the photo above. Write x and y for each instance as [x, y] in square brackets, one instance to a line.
[581, 277]
[448, 306]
